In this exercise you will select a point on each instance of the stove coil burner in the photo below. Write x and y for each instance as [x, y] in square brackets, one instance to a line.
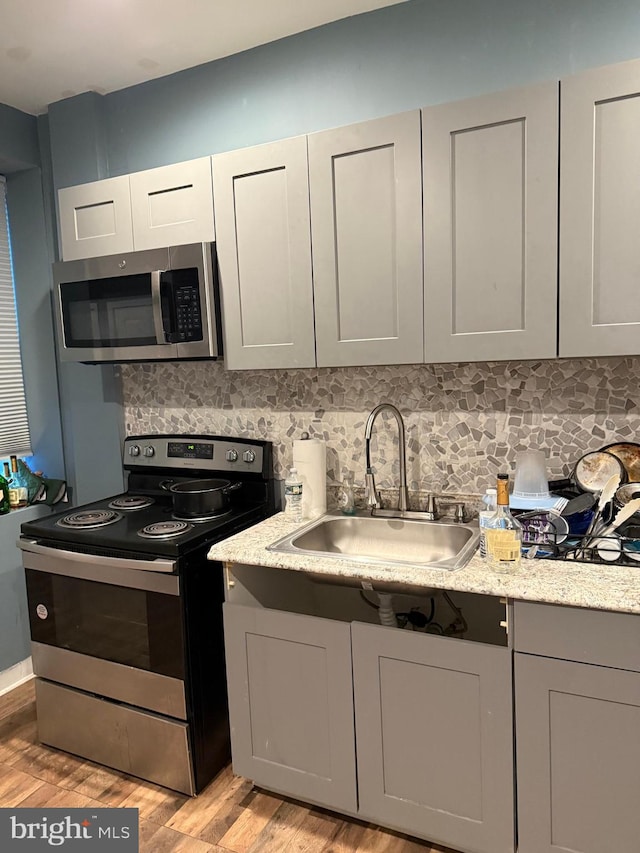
[164, 529]
[129, 502]
[212, 516]
[89, 518]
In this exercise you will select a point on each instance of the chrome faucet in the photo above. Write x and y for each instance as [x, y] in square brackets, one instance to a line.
[373, 497]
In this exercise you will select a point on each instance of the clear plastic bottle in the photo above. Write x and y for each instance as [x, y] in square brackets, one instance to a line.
[503, 533]
[293, 495]
[346, 498]
[487, 509]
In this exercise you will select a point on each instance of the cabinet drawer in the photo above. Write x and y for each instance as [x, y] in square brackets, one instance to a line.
[574, 633]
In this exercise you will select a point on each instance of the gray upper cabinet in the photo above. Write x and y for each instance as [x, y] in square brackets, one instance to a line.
[264, 255]
[367, 249]
[152, 209]
[490, 171]
[434, 737]
[172, 205]
[95, 219]
[291, 704]
[600, 212]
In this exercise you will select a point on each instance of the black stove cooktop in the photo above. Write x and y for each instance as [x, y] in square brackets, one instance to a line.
[141, 521]
[123, 534]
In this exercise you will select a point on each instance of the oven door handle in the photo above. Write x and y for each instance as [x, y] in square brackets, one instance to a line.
[118, 571]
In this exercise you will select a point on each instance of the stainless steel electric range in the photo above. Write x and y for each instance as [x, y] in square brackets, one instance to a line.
[126, 612]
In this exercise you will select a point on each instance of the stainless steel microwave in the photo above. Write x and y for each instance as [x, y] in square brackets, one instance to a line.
[142, 306]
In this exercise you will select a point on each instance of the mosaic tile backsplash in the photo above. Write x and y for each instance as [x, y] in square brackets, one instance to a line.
[464, 422]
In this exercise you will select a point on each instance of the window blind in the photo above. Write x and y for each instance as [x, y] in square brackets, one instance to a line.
[14, 428]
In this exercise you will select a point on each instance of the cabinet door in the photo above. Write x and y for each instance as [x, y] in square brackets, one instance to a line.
[578, 757]
[172, 205]
[264, 255]
[600, 212]
[490, 226]
[95, 219]
[367, 248]
[291, 704]
[434, 737]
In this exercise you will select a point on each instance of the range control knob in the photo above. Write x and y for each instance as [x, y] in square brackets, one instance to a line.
[149, 451]
[134, 450]
[248, 456]
[232, 455]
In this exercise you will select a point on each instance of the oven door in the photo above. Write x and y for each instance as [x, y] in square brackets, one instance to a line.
[99, 625]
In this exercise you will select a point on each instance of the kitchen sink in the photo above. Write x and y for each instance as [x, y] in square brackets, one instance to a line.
[392, 541]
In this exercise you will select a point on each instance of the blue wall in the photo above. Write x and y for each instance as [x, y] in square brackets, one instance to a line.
[410, 55]
[31, 248]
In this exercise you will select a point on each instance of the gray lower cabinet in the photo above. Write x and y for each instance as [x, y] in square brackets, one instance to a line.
[578, 757]
[434, 737]
[599, 212]
[432, 741]
[291, 704]
[490, 172]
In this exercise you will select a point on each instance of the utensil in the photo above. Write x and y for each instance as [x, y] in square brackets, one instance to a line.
[626, 493]
[623, 515]
[581, 503]
[606, 495]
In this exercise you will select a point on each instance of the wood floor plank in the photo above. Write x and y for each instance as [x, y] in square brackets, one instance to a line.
[39, 798]
[279, 831]
[228, 814]
[161, 839]
[15, 786]
[43, 762]
[215, 810]
[155, 803]
[250, 824]
[16, 735]
[316, 831]
[378, 840]
[19, 697]
[347, 838]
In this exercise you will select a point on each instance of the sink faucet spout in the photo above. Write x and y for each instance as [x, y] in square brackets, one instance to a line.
[373, 497]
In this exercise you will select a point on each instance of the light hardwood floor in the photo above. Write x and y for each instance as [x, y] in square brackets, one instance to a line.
[229, 816]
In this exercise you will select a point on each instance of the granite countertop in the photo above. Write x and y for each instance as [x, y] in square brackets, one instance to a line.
[600, 587]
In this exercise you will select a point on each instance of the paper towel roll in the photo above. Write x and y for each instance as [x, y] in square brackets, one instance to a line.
[310, 458]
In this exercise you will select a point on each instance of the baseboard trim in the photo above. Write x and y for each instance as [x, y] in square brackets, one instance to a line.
[16, 675]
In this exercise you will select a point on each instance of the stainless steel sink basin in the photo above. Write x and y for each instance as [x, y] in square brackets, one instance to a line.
[392, 541]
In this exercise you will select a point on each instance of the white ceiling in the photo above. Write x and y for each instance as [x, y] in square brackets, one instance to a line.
[53, 49]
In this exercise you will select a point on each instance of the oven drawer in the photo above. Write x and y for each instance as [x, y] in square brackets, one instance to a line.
[136, 742]
[148, 690]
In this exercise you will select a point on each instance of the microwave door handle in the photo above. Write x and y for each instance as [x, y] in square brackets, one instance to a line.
[156, 301]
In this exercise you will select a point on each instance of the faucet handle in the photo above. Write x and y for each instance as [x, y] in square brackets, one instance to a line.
[459, 512]
[431, 511]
